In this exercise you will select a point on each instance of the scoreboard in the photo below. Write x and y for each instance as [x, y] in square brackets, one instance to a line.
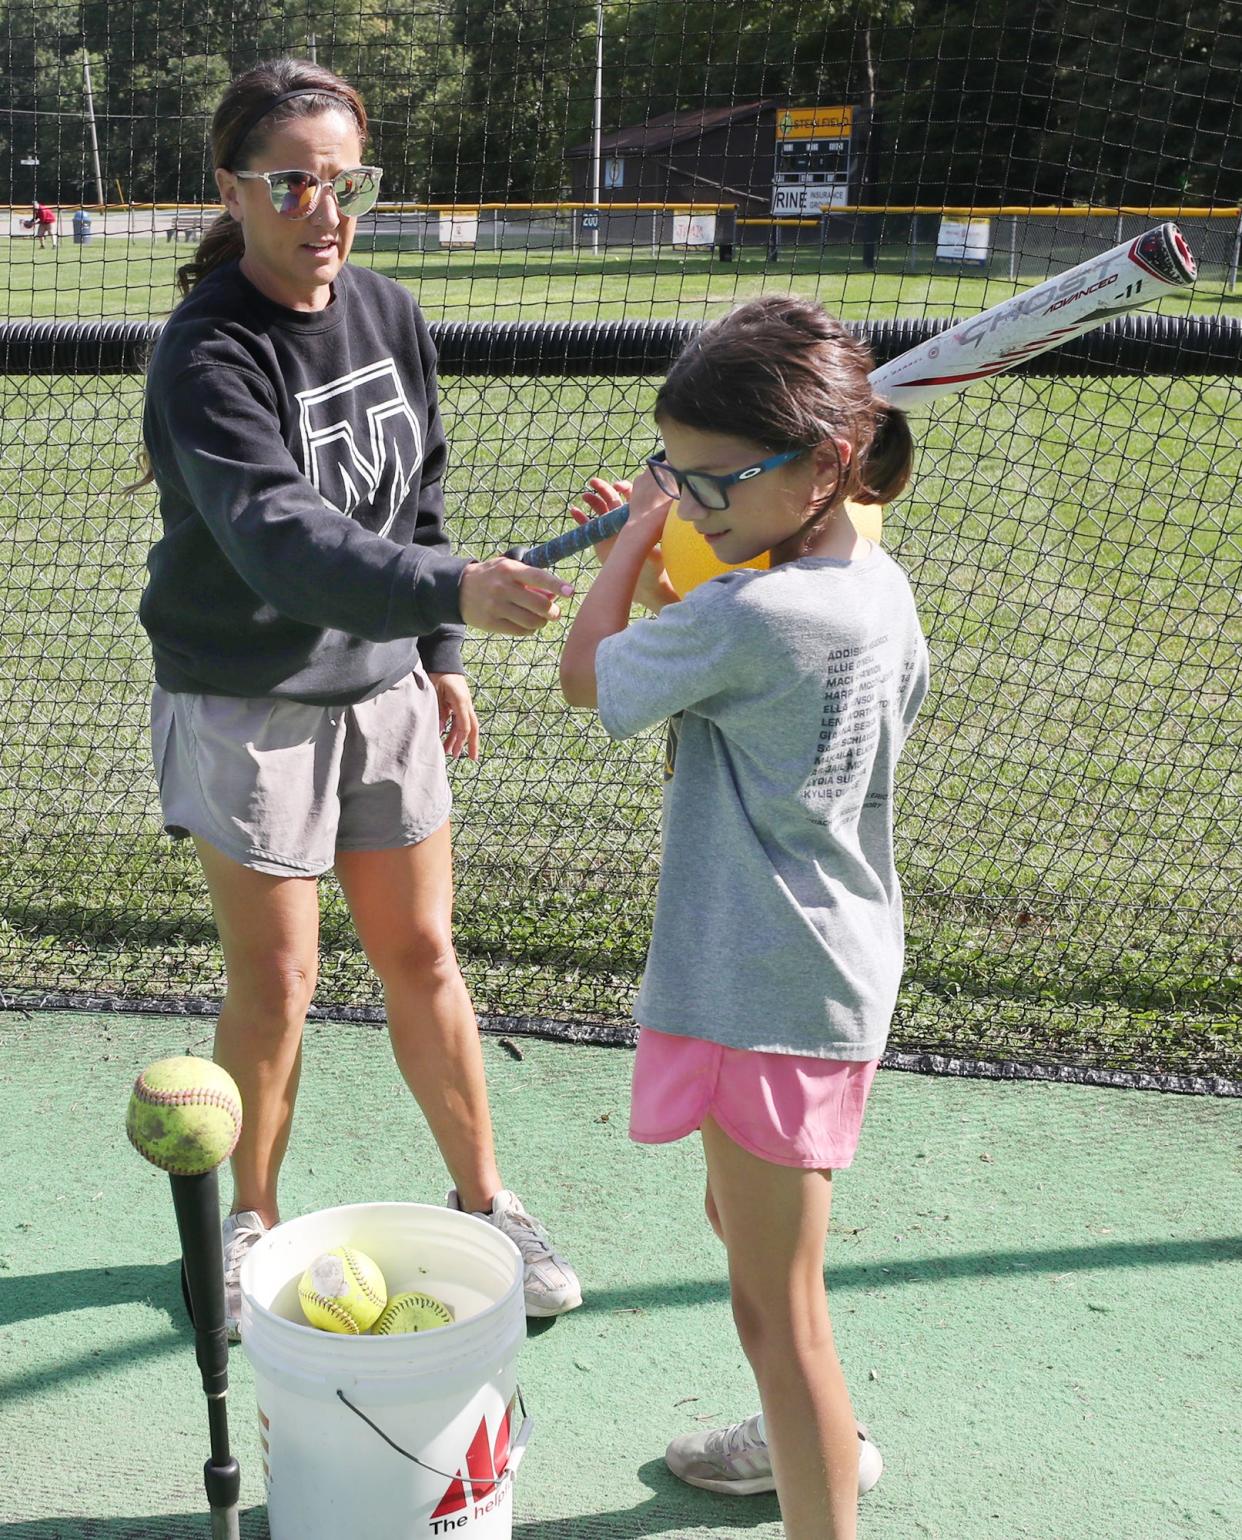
[813, 160]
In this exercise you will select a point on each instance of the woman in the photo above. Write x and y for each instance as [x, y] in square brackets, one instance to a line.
[306, 616]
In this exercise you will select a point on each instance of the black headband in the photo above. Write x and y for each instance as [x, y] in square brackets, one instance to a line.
[262, 111]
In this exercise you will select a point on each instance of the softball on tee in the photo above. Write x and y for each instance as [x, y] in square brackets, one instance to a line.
[412, 1312]
[343, 1291]
[185, 1115]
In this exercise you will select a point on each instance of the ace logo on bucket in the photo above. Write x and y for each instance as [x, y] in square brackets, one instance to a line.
[479, 1487]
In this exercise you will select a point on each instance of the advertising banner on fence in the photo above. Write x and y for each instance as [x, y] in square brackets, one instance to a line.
[459, 229]
[967, 242]
[694, 229]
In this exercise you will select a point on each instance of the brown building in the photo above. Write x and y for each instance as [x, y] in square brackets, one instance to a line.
[705, 156]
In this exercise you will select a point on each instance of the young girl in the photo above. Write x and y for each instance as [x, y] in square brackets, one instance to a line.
[777, 946]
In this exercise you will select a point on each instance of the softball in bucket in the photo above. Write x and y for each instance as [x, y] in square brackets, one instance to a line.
[343, 1290]
[411, 1312]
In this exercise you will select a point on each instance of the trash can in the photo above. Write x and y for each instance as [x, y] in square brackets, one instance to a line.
[81, 228]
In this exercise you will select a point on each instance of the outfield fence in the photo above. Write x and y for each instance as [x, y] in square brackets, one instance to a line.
[1019, 244]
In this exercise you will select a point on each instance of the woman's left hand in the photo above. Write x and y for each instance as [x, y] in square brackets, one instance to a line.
[459, 722]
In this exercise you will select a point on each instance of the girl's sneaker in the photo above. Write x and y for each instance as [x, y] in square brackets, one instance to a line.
[735, 1459]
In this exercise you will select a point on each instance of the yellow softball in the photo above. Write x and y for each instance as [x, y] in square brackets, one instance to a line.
[343, 1291]
[867, 519]
[412, 1312]
[184, 1115]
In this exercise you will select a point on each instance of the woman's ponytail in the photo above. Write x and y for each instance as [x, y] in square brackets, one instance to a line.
[222, 242]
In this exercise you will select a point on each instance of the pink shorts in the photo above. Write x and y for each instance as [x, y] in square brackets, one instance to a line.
[789, 1110]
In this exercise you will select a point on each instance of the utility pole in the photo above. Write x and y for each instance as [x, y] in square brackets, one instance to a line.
[310, 49]
[90, 123]
[599, 117]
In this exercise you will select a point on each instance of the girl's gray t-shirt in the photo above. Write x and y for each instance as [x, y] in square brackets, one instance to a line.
[791, 693]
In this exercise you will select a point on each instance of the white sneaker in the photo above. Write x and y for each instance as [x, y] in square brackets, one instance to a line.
[550, 1284]
[239, 1232]
[735, 1459]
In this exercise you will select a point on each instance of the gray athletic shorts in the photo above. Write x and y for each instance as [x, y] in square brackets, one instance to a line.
[281, 787]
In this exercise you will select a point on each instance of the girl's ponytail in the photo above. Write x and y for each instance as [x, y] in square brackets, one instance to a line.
[222, 242]
[889, 459]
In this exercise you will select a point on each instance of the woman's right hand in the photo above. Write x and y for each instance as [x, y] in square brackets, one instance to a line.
[507, 597]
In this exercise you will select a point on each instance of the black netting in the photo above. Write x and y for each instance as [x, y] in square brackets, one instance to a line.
[1069, 820]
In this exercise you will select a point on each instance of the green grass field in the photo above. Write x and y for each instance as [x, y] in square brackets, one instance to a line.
[1068, 827]
[136, 279]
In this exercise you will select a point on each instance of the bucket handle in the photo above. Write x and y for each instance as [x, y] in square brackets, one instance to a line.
[516, 1449]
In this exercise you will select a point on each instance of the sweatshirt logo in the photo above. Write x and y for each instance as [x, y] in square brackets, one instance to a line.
[361, 442]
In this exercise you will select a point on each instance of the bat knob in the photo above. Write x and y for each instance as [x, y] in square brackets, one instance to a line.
[528, 555]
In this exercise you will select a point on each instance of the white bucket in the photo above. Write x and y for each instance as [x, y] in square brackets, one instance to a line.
[332, 1407]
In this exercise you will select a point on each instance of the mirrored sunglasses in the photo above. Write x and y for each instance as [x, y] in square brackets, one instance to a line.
[296, 194]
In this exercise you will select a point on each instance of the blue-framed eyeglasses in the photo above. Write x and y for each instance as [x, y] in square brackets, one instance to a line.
[296, 194]
[707, 490]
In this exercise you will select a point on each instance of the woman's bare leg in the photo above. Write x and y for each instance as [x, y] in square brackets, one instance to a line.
[402, 905]
[269, 933]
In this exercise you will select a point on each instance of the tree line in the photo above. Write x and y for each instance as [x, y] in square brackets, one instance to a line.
[985, 101]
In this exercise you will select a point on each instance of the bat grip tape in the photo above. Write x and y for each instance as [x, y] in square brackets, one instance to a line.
[550, 552]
